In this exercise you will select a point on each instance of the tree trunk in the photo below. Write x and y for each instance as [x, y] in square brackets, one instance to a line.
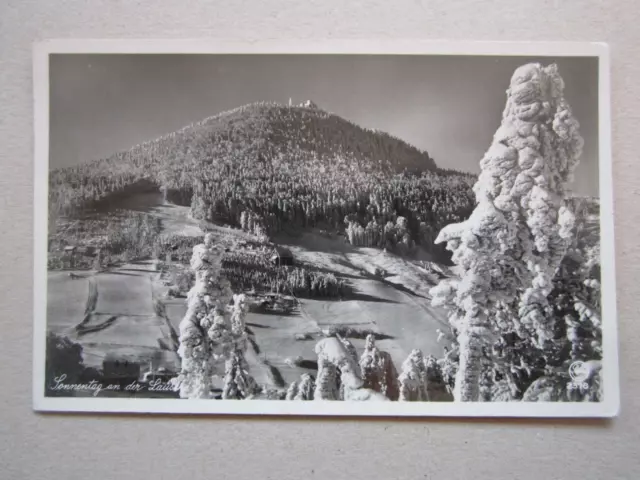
[472, 338]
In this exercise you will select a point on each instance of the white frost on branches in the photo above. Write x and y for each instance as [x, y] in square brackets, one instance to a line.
[327, 381]
[336, 368]
[378, 371]
[512, 244]
[413, 379]
[302, 390]
[239, 314]
[339, 373]
[207, 336]
[238, 382]
[305, 388]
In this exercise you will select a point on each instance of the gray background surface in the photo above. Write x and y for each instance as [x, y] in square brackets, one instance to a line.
[82, 446]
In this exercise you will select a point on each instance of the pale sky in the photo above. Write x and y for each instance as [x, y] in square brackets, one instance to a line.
[447, 105]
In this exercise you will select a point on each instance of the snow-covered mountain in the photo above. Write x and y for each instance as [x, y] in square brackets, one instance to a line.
[242, 138]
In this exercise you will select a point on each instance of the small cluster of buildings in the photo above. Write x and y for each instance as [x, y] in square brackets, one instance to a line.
[73, 255]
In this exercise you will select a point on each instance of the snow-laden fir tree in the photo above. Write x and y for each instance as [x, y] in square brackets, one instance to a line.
[512, 244]
[338, 370]
[353, 360]
[575, 303]
[292, 391]
[577, 294]
[239, 315]
[378, 371]
[338, 374]
[238, 382]
[302, 390]
[414, 379]
[306, 388]
[206, 334]
[195, 351]
[350, 348]
[327, 381]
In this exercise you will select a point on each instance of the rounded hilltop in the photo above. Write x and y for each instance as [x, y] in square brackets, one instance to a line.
[279, 128]
[296, 138]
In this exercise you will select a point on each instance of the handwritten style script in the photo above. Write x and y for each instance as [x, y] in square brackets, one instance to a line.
[95, 387]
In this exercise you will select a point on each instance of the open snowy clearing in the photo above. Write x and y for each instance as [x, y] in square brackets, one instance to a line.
[126, 290]
[66, 301]
[115, 318]
[396, 307]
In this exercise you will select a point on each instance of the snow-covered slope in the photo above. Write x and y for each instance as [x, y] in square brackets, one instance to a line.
[241, 138]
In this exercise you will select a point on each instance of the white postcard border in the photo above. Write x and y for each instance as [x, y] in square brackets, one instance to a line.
[609, 407]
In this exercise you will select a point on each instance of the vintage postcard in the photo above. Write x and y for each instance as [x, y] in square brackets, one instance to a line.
[337, 228]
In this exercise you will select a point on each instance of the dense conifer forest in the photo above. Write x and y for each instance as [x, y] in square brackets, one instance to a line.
[267, 167]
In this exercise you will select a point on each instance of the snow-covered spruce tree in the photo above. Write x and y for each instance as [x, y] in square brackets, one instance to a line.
[577, 292]
[206, 335]
[238, 315]
[413, 379]
[194, 380]
[444, 370]
[292, 391]
[575, 303]
[338, 371]
[378, 371]
[338, 376]
[327, 381]
[351, 350]
[302, 390]
[306, 388]
[512, 244]
[353, 360]
[238, 383]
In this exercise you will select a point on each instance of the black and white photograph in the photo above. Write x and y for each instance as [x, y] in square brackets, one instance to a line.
[422, 231]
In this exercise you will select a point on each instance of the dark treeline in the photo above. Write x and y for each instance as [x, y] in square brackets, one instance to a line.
[256, 272]
[365, 202]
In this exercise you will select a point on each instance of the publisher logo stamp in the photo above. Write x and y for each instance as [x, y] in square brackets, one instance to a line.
[579, 373]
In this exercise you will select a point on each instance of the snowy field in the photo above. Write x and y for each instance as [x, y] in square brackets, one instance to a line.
[397, 307]
[114, 318]
[66, 301]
